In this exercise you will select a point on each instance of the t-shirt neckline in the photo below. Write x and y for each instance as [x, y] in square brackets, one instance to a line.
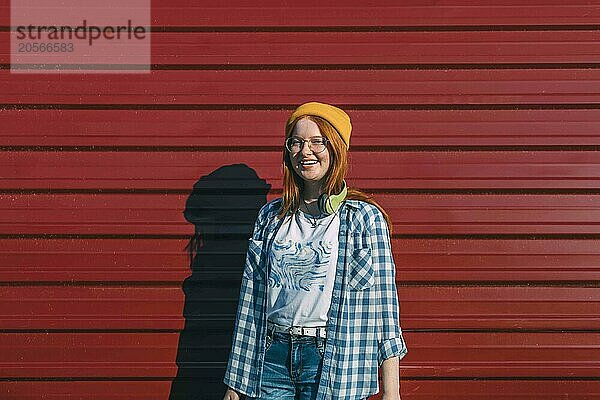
[312, 217]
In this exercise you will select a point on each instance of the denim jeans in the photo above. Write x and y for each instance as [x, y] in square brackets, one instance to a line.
[292, 367]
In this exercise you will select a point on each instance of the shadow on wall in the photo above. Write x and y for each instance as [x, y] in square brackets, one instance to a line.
[223, 207]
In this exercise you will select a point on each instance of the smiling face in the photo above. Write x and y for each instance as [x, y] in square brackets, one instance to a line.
[310, 173]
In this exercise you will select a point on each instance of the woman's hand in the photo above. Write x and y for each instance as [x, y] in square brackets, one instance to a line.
[231, 394]
[388, 396]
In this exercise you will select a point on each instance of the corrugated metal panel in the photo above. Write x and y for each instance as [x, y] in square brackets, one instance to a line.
[447, 354]
[497, 389]
[164, 170]
[37, 258]
[206, 130]
[338, 49]
[184, 88]
[354, 13]
[475, 125]
[127, 306]
[423, 214]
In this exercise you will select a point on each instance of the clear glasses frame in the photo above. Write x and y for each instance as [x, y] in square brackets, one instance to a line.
[316, 145]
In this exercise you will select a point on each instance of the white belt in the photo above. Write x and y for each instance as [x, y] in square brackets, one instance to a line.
[320, 331]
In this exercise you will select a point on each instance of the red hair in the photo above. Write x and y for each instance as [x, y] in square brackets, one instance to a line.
[338, 153]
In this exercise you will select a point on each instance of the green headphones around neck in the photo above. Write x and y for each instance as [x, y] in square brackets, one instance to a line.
[330, 204]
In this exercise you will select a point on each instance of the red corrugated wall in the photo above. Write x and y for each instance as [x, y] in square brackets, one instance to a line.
[475, 125]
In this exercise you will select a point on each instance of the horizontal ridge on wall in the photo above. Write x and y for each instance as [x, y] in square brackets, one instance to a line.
[459, 355]
[231, 129]
[523, 86]
[411, 214]
[353, 14]
[373, 50]
[431, 260]
[514, 388]
[408, 170]
[211, 308]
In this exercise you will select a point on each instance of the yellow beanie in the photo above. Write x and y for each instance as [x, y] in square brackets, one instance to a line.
[335, 116]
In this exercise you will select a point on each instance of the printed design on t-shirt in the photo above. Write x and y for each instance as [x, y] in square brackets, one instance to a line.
[299, 266]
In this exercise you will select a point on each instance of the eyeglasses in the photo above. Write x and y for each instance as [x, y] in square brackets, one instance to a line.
[316, 144]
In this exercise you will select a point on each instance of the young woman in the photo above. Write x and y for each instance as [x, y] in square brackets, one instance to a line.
[318, 312]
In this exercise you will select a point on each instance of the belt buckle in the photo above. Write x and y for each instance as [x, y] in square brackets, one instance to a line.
[300, 330]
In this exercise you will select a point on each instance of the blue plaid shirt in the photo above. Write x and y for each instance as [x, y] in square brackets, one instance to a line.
[363, 326]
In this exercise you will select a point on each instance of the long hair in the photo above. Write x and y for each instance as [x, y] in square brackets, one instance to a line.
[338, 154]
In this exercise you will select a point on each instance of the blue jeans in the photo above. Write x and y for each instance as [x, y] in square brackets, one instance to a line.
[292, 367]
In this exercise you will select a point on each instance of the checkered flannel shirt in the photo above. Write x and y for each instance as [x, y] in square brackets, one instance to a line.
[364, 317]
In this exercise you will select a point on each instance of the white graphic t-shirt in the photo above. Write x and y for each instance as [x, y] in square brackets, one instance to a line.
[303, 264]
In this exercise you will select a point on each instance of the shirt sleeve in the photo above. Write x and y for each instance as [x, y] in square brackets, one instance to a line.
[240, 373]
[389, 333]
